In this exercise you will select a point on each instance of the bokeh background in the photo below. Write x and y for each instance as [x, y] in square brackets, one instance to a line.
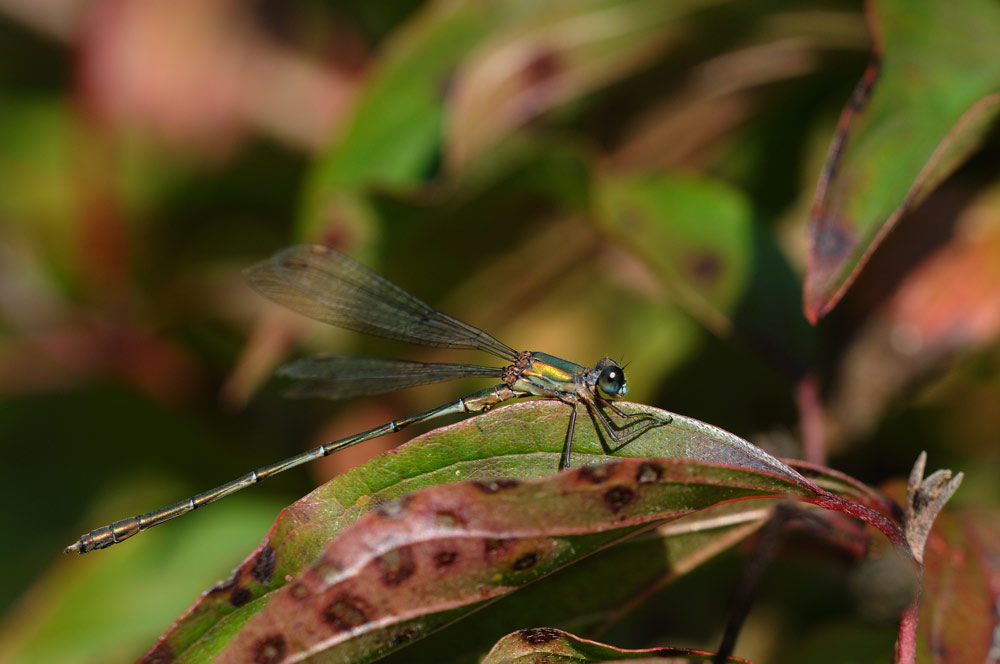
[600, 178]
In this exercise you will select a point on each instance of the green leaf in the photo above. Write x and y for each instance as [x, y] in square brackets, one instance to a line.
[699, 238]
[395, 129]
[416, 563]
[107, 608]
[463, 544]
[926, 100]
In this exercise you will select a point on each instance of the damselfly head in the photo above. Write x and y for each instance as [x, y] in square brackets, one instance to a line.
[611, 380]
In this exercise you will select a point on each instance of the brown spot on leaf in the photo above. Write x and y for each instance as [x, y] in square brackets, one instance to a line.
[160, 654]
[648, 473]
[544, 65]
[445, 559]
[240, 596]
[705, 267]
[492, 486]
[263, 565]
[396, 565]
[449, 519]
[832, 244]
[527, 561]
[345, 612]
[618, 497]
[270, 650]
[298, 591]
[394, 509]
[536, 636]
[596, 474]
[494, 548]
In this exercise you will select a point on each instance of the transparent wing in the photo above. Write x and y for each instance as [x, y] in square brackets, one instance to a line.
[342, 376]
[326, 285]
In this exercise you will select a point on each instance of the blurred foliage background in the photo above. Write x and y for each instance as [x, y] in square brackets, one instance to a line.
[588, 178]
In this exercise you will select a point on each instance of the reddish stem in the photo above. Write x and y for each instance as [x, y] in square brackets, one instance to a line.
[807, 399]
[880, 521]
[906, 643]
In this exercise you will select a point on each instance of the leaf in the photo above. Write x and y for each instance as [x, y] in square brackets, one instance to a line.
[699, 238]
[582, 598]
[394, 132]
[926, 100]
[106, 608]
[545, 645]
[416, 563]
[552, 53]
[958, 612]
[464, 544]
[926, 323]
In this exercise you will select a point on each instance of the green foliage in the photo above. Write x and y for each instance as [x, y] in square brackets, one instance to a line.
[640, 179]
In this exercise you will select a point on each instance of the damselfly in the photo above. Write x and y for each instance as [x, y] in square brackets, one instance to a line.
[326, 285]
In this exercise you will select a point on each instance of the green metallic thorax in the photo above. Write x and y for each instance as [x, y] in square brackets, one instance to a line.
[548, 376]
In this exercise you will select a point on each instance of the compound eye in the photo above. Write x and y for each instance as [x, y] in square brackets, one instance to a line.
[611, 381]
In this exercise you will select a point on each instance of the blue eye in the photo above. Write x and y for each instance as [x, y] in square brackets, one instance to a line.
[612, 381]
